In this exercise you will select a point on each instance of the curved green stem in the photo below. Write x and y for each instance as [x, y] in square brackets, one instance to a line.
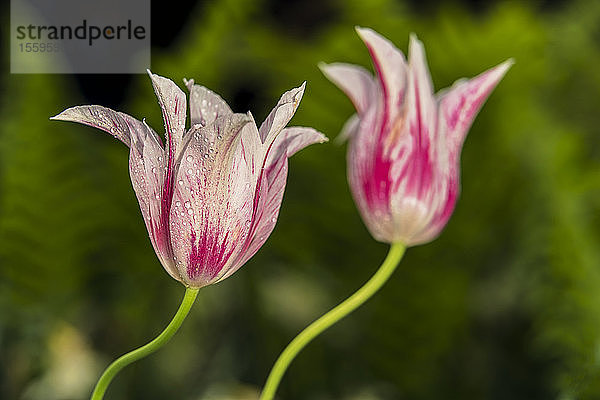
[346, 307]
[157, 343]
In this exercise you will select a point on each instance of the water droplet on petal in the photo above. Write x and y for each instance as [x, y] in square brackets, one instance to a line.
[187, 204]
[180, 182]
[189, 158]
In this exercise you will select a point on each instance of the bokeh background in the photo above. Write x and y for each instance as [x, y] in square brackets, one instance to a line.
[504, 305]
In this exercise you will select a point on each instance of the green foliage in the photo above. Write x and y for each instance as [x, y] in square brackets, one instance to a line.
[504, 305]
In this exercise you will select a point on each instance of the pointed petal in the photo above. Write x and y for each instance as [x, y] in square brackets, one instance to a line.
[458, 107]
[459, 104]
[353, 80]
[205, 105]
[416, 137]
[390, 66]
[348, 130]
[212, 203]
[252, 150]
[103, 118]
[271, 187]
[147, 165]
[279, 117]
[369, 176]
[173, 105]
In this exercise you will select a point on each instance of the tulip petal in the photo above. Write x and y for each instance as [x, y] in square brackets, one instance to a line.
[390, 66]
[349, 129]
[369, 175]
[279, 117]
[205, 105]
[103, 118]
[252, 150]
[212, 202]
[459, 104]
[417, 150]
[173, 105]
[353, 80]
[269, 191]
[147, 165]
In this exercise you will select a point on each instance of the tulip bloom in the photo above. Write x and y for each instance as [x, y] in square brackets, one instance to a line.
[405, 142]
[210, 196]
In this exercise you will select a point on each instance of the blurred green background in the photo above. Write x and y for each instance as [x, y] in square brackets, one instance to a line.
[504, 305]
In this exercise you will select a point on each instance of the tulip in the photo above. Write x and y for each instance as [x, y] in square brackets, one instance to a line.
[209, 196]
[405, 141]
[403, 160]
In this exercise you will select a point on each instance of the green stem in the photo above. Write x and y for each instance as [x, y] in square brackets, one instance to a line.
[157, 343]
[346, 307]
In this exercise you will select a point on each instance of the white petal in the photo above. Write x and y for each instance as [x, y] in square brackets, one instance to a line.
[353, 80]
[103, 118]
[279, 117]
[205, 105]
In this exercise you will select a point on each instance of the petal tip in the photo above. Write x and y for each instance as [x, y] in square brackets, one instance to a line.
[414, 44]
[506, 65]
[63, 115]
[362, 31]
[189, 83]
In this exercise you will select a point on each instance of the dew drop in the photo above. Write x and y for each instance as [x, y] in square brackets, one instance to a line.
[189, 158]
[190, 211]
[190, 171]
[187, 204]
[178, 204]
[180, 182]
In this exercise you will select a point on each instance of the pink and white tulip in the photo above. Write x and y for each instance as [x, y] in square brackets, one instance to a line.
[210, 196]
[405, 141]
